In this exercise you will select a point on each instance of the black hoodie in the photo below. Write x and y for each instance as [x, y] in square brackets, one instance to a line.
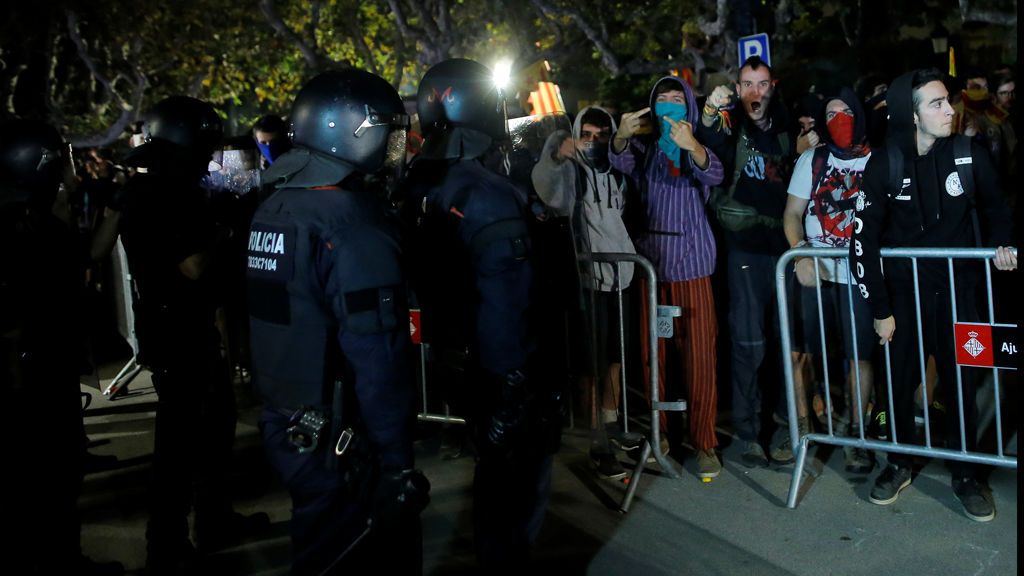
[931, 210]
[764, 183]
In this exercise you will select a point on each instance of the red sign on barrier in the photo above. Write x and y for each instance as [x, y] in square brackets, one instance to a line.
[414, 326]
[974, 345]
[986, 345]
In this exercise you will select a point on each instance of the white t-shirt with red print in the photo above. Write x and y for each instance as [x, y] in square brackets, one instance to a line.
[828, 221]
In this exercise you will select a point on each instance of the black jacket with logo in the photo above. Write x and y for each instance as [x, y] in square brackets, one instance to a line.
[930, 209]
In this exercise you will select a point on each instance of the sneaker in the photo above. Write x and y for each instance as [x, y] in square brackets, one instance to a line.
[608, 466]
[782, 446]
[623, 440]
[753, 455]
[858, 461]
[634, 454]
[889, 484]
[976, 505]
[708, 465]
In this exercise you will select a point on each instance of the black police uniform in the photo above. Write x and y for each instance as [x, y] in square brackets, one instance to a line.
[473, 228]
[330, 342]
[474, 284]
[41, 345]
[165, 220]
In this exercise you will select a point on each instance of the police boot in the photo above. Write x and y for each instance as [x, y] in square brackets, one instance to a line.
[215, 532]
[168, 549]
[89, 567]
[171, 559]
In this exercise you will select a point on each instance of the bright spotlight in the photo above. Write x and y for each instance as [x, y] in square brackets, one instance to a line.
[502, 74]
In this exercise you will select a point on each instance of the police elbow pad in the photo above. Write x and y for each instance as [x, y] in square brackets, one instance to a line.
[373, 310]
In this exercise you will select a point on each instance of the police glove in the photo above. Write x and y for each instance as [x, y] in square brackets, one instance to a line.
[400, 494]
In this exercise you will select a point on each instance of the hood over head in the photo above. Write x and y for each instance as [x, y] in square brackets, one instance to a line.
[692, 112]
[849, 97]
[577, 128]
[901, 128]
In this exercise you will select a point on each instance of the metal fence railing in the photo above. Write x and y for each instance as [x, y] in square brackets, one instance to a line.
[894, 444]
[650, 300]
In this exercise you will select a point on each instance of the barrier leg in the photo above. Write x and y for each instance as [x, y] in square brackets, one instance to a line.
[634, 477]
[798, 472]
[120, 382]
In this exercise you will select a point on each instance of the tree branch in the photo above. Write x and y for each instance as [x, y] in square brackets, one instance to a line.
[369, 61]
[129, 113]
[444, 19]
[309, 53]
[608, 57]
[716, 27]
[986, 16]
[83, 52]
[426, 20]
[314, 21]
[400, 59]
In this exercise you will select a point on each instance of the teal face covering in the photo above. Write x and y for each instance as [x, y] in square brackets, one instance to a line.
[676, 112]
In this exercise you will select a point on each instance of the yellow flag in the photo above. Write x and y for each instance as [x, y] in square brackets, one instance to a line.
[952, 63]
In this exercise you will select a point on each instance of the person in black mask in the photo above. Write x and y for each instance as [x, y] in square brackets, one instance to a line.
[596, 207]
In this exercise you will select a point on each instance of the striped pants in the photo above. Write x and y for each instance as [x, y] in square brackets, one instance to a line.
[694, 339]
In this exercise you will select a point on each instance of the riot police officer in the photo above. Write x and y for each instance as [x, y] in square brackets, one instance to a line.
[172, 242]
[329, 332]
[41, 284]
[474, 287]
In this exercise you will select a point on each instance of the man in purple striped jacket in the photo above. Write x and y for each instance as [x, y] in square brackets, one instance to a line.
[674, 173]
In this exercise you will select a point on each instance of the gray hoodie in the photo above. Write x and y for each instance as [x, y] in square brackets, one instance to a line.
[603, 201]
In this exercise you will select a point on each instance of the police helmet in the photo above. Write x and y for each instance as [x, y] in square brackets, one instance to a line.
[352, 116]
[458, 102]
[185, 121]
[32, 160]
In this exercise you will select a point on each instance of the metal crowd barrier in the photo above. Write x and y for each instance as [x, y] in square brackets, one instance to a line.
[657, 405]
[125, 321]
[425, 415]
[860, 441]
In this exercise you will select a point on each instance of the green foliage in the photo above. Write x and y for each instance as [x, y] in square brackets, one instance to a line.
[230, 54]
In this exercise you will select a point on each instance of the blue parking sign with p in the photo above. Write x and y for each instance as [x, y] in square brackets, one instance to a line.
[756, 45]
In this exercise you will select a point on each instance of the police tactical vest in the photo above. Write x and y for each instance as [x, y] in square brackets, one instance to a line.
[293, 331]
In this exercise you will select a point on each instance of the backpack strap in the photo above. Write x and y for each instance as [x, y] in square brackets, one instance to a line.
[742, 157]
[895, 168]
[783, 144]
[818, 163]
[964, 162]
